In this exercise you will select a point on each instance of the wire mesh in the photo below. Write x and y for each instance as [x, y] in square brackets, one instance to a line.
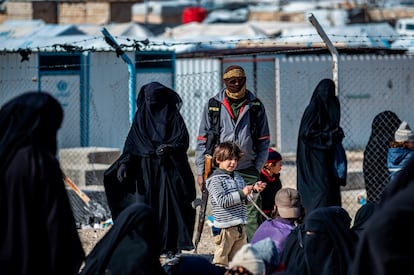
[95, 101]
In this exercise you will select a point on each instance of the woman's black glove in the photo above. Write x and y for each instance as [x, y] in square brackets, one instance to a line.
[122, 172]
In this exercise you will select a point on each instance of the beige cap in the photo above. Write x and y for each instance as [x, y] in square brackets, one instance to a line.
[288, 203]
[247, 256]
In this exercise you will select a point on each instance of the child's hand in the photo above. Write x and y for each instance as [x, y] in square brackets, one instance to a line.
[247, 189]
[259, 186]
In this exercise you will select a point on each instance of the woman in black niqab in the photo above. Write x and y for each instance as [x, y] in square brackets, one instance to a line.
[319, 129]
[38, 234]
[362, 217]
[329, 243]
[323, 245]
[374, 165]
[154, 168]
[386, 246]
[130, 247]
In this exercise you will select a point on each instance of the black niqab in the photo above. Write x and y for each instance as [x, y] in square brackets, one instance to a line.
[362, 216]
[374, 166]
[319, 129]
[38, 234]
[131, 246]
[386, 246]
[156, 122]
[158, 171]
[330, 249]
[30, 119]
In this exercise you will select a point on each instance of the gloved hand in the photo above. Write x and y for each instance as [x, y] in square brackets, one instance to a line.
[121, 173]
[164, 149]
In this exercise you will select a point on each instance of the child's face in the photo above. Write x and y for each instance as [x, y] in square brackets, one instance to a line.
[276, 167]
[410, 145]
[228, 165]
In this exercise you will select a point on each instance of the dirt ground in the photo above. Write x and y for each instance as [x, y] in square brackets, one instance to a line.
[90, 237]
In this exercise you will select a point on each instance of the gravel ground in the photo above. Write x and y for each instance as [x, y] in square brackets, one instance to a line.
[89, 238]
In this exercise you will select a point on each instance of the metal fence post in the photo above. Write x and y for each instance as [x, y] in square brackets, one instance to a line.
[131, 68]
[331, 48]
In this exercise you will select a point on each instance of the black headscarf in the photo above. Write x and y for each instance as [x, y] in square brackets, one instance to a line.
[293, 254]
[329, 249]
[375, 171]
[38, 233]
[156, 122]
[33, 118]
[362, 217]
[131, 246]
[158, 171]
[387, 244]
[319, 129]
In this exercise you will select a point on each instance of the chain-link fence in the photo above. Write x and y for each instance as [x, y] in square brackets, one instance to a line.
[93, 89]
[368, 85]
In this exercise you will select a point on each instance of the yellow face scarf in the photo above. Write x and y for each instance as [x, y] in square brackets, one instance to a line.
[235, 82]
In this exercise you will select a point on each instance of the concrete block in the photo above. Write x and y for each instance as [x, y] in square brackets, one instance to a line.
[354, 180]
[84, 155]
[85, 166]
[87, 174]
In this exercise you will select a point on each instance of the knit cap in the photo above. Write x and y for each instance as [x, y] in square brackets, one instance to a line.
[404, 133]
[248, 257]
[288, 203]
[273, 156]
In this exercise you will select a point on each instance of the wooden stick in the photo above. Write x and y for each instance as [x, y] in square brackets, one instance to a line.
[76, 189]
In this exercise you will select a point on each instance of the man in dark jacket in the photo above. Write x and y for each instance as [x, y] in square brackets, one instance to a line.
[236, 123]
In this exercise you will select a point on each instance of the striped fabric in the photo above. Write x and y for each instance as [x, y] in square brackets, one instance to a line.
[227, 200]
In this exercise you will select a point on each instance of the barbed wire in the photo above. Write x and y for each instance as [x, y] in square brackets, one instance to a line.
[259, 45]
[129, 43]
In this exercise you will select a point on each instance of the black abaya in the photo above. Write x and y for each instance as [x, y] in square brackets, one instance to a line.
[157, 168]
[386, 246]
[38, 234]
[329, 243]
[130, 247]
[374, 166]
[362, 217]
[319, 130]
[323, 245]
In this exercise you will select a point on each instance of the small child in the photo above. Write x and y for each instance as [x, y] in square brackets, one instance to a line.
[401, 149]
[270, 174]
[228, 195]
